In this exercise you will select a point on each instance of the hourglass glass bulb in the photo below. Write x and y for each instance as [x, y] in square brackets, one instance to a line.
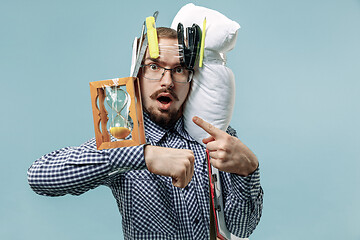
[118, 99]
[120, 132]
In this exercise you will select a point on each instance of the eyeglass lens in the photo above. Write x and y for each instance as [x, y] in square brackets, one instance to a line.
[154, 72]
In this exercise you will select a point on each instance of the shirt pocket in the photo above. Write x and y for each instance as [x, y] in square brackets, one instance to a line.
[153, 207]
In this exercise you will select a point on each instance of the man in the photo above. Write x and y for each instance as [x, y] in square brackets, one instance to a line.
[161, 188]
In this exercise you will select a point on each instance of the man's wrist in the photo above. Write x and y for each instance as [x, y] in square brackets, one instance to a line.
[248, 166]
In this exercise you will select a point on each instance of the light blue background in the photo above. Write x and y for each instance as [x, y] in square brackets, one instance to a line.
[297, 68]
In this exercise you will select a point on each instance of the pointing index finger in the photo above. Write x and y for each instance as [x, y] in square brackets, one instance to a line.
[209, 128]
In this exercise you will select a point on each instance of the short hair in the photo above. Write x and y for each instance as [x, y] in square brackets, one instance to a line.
[165, 32]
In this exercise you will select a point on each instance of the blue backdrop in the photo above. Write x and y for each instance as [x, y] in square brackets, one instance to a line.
[297, 68]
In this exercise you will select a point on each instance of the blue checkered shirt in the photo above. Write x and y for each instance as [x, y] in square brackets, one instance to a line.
[151, 207]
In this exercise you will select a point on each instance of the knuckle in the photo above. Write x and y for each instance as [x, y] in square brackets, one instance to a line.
[192, 159]
[187, 164]
[190, 156]
[222, 155]
[210, 127]
[223, 146]
[182, 171]
[219, 165]
[228, 138]
[227, 145]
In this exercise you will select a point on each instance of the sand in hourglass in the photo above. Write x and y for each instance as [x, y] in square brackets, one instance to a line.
[120, 132]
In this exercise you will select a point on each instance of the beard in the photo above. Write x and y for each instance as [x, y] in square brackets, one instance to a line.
[165, 119]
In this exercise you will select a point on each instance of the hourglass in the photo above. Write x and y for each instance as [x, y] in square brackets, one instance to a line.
[117, 113]
[119, 102]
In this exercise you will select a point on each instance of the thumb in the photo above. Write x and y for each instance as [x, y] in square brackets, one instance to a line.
[208, 139]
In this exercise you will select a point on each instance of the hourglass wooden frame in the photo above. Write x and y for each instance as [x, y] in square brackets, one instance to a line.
[100, 114]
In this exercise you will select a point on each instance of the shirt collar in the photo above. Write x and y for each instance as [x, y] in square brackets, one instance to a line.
[156, 132]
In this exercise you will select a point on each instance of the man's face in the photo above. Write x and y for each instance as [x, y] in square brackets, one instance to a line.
[163, 99]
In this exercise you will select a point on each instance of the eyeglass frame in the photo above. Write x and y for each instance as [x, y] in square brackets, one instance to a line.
[192, 71]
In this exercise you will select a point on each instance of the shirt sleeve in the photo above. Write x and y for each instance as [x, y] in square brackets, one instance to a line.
[243, 197]
[75, 170]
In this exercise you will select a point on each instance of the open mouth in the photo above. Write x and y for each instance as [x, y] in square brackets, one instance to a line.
[164, 99]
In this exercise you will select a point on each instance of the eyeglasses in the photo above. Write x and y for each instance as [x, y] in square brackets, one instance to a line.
[178, 74]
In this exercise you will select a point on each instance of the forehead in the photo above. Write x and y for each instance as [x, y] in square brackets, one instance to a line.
[168, 51]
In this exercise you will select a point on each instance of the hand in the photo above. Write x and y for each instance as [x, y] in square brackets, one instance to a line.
[175, 163]
[227, 153]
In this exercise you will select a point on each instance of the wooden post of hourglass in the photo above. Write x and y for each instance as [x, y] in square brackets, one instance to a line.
[100, 115]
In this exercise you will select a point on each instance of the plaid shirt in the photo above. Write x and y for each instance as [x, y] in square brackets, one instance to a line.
[151, 207]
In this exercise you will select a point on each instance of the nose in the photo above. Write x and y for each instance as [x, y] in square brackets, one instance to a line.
[166, 80]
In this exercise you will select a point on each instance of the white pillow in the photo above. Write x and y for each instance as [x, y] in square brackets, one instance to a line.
[212, 94]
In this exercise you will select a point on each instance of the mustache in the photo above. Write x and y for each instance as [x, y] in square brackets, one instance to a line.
[164, 90]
